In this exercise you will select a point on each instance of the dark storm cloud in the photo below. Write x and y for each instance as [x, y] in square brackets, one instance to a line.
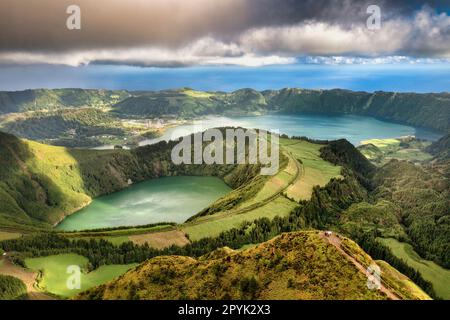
[185, 32]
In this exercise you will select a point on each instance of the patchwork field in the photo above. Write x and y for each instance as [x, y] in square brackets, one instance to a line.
[54, 273]
[430, 271]
[315, 170]
[380, 151]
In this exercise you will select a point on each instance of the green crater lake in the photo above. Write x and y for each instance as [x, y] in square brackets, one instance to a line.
[171, 199]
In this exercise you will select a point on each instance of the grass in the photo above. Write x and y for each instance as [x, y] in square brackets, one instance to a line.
[54, 273]
[122, 232]
[9, 235]
[316, 171]
[400, 283]
[381, 151]
[382, 143]
[274, 185]
[197, 94]
[430, 271]
[161, 240]
[210, 228]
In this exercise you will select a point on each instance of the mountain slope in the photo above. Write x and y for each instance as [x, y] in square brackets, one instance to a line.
[441, 148]
[42, 184]
[425, 110]
[46, 99]
[301, 265]
[430, 110]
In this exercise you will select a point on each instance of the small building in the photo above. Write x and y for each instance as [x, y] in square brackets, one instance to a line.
[328, 233]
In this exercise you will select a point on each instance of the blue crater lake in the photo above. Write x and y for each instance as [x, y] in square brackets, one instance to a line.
[323, 127]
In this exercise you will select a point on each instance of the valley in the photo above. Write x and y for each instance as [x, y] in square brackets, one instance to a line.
[116, 209]
[96, 118]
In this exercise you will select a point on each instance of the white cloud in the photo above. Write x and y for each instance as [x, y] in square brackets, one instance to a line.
[325, 39]
[205, 51]
[342, 60]
[399, 40]
[426, 34]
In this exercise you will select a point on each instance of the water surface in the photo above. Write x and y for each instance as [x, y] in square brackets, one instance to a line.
[322, 127]
[172, 199]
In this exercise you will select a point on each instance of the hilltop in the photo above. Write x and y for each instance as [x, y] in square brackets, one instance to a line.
[300, 265]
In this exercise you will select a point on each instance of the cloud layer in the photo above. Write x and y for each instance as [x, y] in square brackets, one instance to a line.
[228, 32]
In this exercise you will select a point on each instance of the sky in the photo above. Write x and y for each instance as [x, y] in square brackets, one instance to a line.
[226, 44]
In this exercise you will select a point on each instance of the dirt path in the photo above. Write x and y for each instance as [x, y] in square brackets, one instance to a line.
[336, 241]
[28, 277]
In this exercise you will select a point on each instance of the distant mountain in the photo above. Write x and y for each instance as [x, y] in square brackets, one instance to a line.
[300, 265]
[45, 99]
[430, 110]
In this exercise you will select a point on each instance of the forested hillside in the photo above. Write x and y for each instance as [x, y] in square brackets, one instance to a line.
[53, 99]
[42, 184]
[423, 110]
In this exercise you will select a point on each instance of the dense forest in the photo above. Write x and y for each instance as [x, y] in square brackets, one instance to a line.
[11, 288]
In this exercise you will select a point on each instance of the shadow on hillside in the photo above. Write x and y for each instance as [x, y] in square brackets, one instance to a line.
[27, 193]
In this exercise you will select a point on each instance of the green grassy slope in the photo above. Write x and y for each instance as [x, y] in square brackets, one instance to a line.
[54, 273]
[42, 184]
[430, 271]
[301, 170]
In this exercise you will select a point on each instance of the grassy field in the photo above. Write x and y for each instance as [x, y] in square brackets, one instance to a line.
[316, 171]
[430, 271]
[210, 227]
[381, 151]
[9, 235]
[274, 185]
[161, 240]
[400, 283]
[55, 274]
